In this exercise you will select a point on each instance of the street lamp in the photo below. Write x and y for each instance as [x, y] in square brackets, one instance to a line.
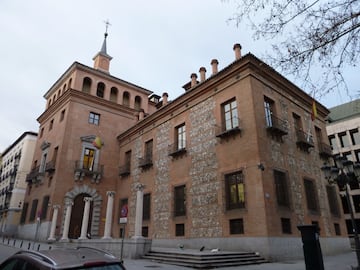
[343, 173]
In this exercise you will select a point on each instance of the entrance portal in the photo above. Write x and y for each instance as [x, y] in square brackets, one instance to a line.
[77, 216]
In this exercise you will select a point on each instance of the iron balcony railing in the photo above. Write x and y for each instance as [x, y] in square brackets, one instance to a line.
[304, 139]
[276, 125]
[325, 150]
[125, 169]
[146, 161]
[228, 128]
[177, 148]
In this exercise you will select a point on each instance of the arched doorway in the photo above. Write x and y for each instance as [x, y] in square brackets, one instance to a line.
[77, 216]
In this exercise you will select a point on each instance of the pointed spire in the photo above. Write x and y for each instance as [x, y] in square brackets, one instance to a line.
[102, 59]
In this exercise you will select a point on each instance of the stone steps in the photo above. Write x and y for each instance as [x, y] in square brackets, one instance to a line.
[205, 259]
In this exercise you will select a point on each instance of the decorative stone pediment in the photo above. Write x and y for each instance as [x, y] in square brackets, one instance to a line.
[88, 138]
[45, 145]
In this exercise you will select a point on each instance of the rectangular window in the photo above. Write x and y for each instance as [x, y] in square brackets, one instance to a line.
[355, 136]
[33, 210]
[179, 229]
[94, 118]
[337, 229]
[145, 231]
[344, 140]
[88, 159]
[62, 115]
[235, 191]
[180, 201]
[149, 150]
[286, 225]
[44, 208]
[51, 124]
[24, 213]
[269, 111]
[230, 115]
[332, 140]
[146, 206]
[181, 137]
[127, 163]
[41, 132]
[297, 122]
[236, 226]
[311, 195]
[281, 188]
[43, 163]
[333, 200]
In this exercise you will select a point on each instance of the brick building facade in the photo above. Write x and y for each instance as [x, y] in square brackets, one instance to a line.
[233, 163]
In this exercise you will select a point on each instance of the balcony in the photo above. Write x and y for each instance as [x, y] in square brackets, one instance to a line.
[50, 166]
[124, 170]
[228, 129]
[276, 126]
[35, 176]
[304, 140]
[145, 162]
[325, 150]
[177, 149]
[81, 170]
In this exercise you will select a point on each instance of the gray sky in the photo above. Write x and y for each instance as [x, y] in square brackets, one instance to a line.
[154, 44]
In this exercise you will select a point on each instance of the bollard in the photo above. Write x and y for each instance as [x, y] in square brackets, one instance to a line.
[311, 247]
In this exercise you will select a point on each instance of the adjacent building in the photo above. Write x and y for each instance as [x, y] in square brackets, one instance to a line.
[233, 163]
[343, 129]
[16, 164]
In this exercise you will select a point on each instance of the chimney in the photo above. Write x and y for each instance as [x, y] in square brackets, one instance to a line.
[202, 71]
[237, 50]
[165, 98]
[214, 64]
[193, 79]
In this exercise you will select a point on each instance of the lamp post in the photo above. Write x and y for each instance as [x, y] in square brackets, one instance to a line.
[343, 173]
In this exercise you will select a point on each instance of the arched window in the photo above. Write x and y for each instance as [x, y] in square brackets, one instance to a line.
[126, 99]
[54, 97]
[137, 104]
[86, 85]
[113, 94]
[100, 91]
[64, 88]
[70, 81]
[59, 93]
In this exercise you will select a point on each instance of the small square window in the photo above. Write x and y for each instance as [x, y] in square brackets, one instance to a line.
[179, 229]
[286, 225]
[145, 231]
[94, 118]
[236, 226]
[337, 229]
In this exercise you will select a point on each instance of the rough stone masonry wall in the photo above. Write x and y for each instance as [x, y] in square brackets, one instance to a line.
[162, 192]
[203, 209]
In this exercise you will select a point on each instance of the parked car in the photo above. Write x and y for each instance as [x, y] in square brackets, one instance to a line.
[63, 258]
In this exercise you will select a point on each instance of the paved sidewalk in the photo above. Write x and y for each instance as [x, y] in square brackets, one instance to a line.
[338, 262]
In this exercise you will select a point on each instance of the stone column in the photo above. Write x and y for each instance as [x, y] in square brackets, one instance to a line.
[65, 235]
[139, 210]
[85, 220]
[109, 211]
[53, 222]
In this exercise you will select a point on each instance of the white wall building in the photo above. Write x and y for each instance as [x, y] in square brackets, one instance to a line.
[343, 131]
[15, 165]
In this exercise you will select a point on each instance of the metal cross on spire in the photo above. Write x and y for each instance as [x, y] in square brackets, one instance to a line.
[107, 24]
